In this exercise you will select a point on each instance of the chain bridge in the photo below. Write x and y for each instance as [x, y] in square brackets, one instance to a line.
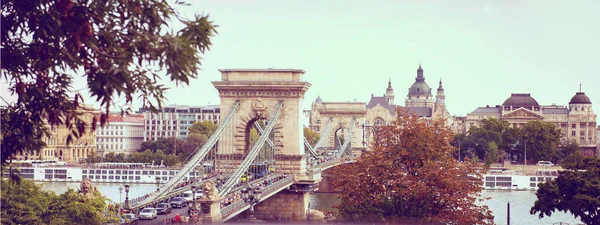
[277, 160]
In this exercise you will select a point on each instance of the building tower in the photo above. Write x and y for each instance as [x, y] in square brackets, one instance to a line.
[419, 94]
[389, 93]
[582, 123]
[439, 107]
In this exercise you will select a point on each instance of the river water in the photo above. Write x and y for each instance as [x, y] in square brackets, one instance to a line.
[520, 202]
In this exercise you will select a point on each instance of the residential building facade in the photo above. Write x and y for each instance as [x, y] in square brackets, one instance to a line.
[174, 120]
[122, 134]
[577, 121]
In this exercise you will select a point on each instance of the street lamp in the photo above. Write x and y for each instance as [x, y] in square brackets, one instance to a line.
[157, 183]
[374, 132]
[120, 194]
[252, 197]
[127, 197]
[194, 206]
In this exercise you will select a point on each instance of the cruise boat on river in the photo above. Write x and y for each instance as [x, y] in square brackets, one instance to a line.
[517, 180]
[52, 171]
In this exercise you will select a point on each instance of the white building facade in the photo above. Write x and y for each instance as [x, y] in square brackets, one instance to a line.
[122, 134]
[175, 120]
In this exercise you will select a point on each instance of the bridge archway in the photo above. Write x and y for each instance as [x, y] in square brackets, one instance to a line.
[259, 92]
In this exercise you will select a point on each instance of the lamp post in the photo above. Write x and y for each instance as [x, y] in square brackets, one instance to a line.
[374, 132]
[194, 206]
[458, 151]
[120, 194]
[157, 183]
[127, 197]
[252, 197]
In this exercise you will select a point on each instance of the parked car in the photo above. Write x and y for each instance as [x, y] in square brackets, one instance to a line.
[545, 163]
[148, 214]
[177, 202]
[129, 219]
[163, 208]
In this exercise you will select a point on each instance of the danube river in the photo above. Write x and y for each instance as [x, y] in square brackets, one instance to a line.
[520, 201]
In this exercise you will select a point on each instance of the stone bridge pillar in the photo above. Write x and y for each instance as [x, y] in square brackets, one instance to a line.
[342, 114]
[259, 91]
[285, 205]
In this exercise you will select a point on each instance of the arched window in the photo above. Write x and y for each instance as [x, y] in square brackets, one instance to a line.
[378, 122]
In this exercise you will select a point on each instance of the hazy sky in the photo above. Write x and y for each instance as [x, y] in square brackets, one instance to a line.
[483, 50]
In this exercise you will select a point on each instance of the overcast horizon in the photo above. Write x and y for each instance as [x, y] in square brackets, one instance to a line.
[483, 50]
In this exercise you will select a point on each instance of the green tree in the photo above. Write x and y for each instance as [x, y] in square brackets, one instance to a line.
[110, 157]
[205, 127]
[118, 46]
[311, 136]
[492, 155]
[26, 203]
[23, 202]
[542, 140]
[93, 158]
[120, 157]
[576, 190]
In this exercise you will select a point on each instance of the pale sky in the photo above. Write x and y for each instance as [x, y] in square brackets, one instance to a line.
[483, 50]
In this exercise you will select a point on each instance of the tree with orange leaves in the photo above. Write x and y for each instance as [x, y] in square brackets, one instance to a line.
[411, 176]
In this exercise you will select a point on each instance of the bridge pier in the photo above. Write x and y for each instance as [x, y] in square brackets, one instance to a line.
[285, 205]
[210, 210]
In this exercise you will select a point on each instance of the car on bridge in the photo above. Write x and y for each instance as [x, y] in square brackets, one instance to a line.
[148, 214]
[163, 208]
[177, 202]
[129, 219]
[188, 196]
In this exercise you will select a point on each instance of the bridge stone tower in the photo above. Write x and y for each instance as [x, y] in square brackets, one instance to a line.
[341, 114]
[259, 91]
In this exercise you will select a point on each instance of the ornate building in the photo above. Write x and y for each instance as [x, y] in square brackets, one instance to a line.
[56, 145]
[381, 110]
[577, 122]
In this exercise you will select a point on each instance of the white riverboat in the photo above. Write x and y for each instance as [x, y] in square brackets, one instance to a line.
[100, 173]
[517, 180]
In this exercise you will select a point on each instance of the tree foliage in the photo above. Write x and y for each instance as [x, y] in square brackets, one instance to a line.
[25, 203]
[121, 48]
[542, 140]
[205, 127]
[311, 136]
[576, 190]
[411, 175]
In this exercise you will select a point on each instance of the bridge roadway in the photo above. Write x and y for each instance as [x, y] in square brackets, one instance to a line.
[238, 205]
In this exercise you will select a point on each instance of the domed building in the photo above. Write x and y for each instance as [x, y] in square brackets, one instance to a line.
[382, 110]
[576, 121]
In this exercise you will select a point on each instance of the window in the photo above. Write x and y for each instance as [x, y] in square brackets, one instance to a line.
[318, 121]
[573, 126]
[572, 133]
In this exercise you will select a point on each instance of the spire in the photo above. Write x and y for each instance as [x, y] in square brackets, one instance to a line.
[389, 87]
[440, 88]
[579, 86]
[420, 73]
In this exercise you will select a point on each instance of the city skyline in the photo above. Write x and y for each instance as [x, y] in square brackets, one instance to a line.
[482, 50]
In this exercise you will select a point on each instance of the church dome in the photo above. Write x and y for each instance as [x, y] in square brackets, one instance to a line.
[580, 98]
[419, 88]
[521, 100]
[319, 100]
